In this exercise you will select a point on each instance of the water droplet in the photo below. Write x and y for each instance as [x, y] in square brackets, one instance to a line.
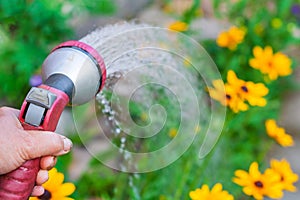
[110, 118]
[127, 155]
[123, 139]
[118, 130]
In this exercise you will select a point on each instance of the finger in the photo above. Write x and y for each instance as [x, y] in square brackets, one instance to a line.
[9, 110]
[45, 143]
[11, 114]
[42, 177]
[48, 162]
[14, 112]
[37, 191]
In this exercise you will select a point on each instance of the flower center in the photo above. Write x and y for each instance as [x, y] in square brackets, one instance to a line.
[244, 88]
[270, 64]
[228, 96]
[45, 196]
[258, 184]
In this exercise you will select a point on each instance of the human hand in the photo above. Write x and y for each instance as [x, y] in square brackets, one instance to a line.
[19, 145]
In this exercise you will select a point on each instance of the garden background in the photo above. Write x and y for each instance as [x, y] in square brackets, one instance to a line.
[29, 31]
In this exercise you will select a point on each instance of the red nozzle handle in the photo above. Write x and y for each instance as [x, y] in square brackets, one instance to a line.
[18, 184]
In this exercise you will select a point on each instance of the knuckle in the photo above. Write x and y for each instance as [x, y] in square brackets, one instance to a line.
[6, 110]
[57, 142]
[29, 147]
[40, 144]
[3, 110]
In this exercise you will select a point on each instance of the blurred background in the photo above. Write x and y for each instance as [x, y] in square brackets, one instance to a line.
[29, 29]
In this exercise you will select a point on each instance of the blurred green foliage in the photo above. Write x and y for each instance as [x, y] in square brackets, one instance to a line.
[28, 32]
[31, 29]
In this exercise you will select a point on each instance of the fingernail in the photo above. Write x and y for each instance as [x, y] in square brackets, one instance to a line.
[38, 191]
[52, 163]
[67, 144]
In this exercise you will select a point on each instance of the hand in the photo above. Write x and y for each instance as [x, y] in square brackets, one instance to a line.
[19, 145]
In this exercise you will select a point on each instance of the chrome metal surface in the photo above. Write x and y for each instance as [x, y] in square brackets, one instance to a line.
[79, 67]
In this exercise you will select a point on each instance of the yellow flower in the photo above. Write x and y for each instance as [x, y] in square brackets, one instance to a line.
[258, 185]
[234, 81]
[55, 189]
[231, 38]
[172, 132]
[227, 96]
[235, 103]
[259, 29]
[247, 90]
[288, 177]
[216, 193]
[236, 92]
[144, 117]
[197, 128]
[276, 23]
[187, 62]
[254, 93]
[273, 65]
[178, 26]
[278, 133]
[218, 92]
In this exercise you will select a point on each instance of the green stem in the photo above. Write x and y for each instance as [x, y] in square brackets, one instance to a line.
[185, 175]
[200, 171]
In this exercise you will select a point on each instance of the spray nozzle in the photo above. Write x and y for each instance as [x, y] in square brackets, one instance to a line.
[76, 69]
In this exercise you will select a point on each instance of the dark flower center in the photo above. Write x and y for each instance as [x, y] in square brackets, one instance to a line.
[244, 88]
[45, 196]
[258, 184]
[270, 64]
[228, 96]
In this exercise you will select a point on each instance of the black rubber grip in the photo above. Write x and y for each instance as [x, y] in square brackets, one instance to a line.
[62, 83]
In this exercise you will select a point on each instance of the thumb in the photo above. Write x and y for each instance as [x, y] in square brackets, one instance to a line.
[44, 143]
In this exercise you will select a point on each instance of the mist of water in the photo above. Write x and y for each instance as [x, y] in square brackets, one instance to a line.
[164, 74]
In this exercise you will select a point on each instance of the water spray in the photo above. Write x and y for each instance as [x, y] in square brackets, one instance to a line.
[73, 74]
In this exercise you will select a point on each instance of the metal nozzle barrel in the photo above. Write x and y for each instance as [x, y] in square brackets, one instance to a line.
[75, 68]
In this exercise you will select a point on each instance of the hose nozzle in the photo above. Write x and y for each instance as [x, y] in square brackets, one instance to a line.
[75, 68]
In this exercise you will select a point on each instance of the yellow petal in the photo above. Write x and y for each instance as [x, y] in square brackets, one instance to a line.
[254, 63]
[258, 196]
[217, 188]
[222, 39]
[241, 174]
[231, 77]
[271, 127]
[254, 101]
[257, 89]
[219, 85]
[248, 191]
[66, 198]
[66, 189]
[55, 180]
[253, 170]
[257, 51]
[178, 26]
[268, 51]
